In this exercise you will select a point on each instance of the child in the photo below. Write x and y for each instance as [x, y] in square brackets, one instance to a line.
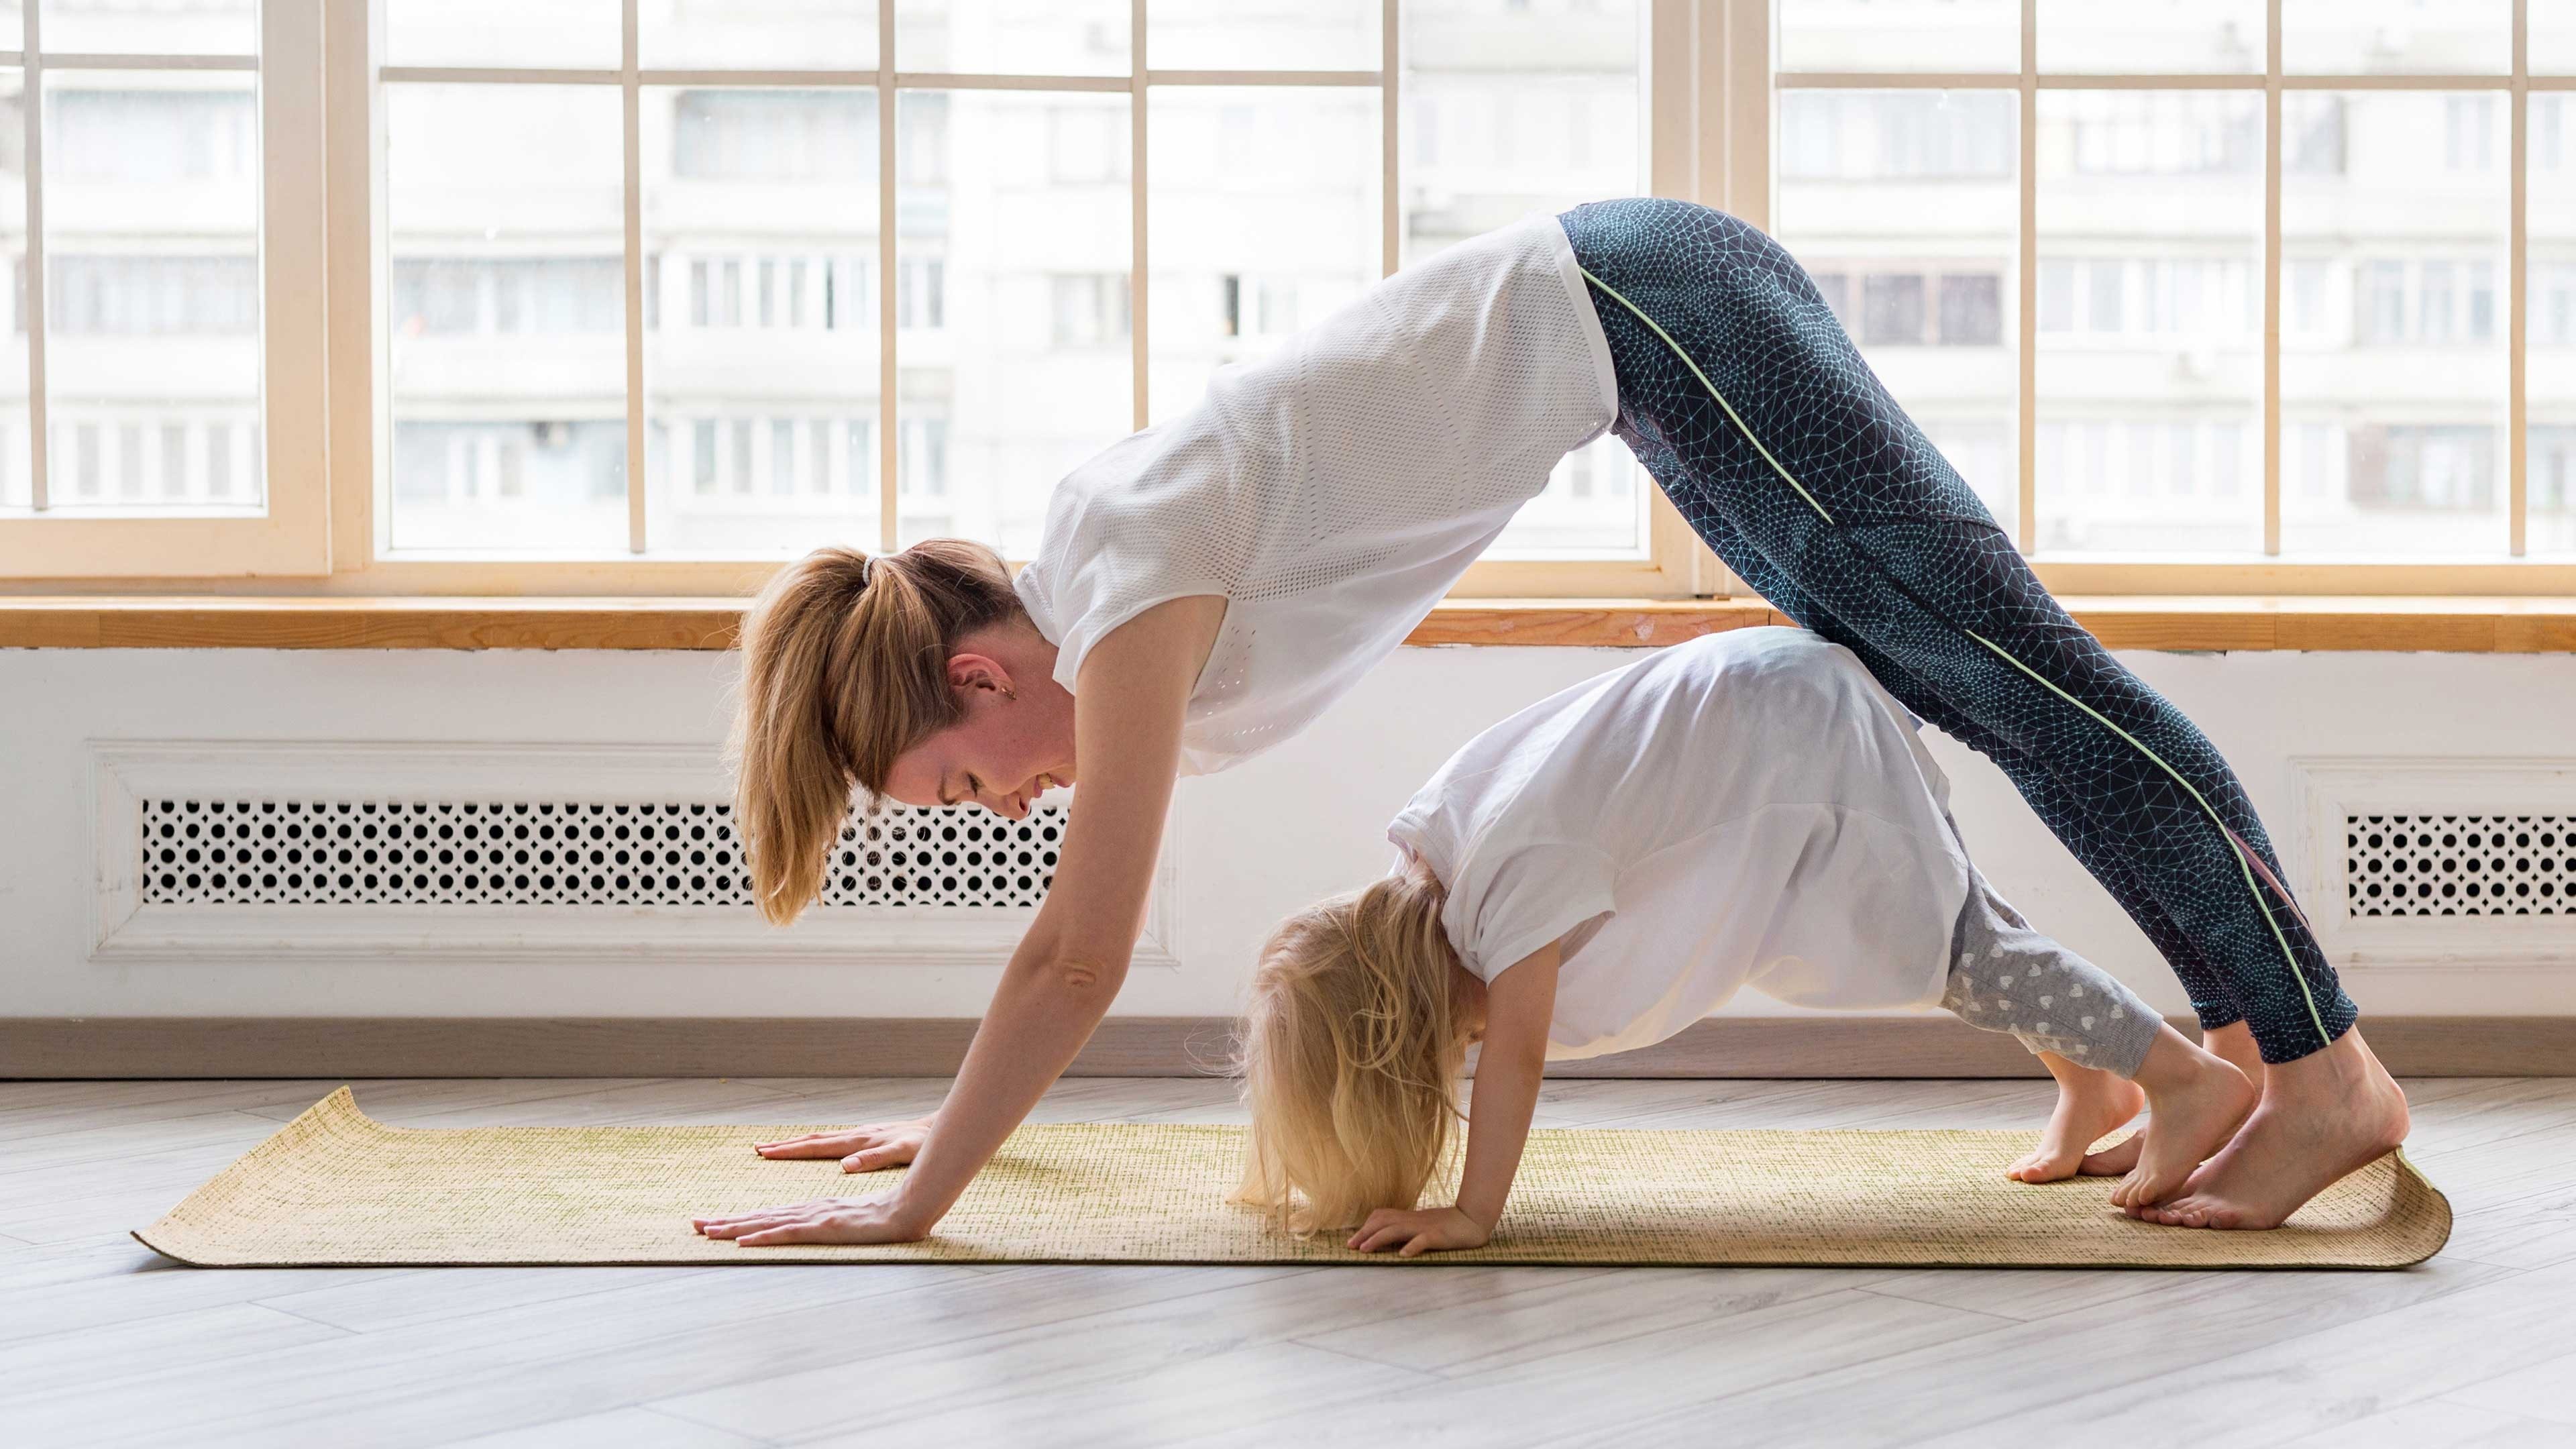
[1611, 864]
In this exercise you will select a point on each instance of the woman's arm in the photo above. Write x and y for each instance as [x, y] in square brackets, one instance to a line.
[1128, 707]
[1518, 1007]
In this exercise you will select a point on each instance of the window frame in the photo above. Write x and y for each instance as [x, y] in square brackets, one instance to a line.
[290, 537]
[1710, 86]
[1673, 563]
[2098, 573]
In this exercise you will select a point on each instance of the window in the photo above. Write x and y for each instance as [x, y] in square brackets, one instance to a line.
[835, 270]
[2139, 291]
[969, 318]
[162, 405]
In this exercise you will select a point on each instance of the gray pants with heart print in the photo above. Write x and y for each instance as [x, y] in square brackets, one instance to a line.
[2004, 976]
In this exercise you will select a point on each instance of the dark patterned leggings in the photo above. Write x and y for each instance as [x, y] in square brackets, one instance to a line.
[1740, 393]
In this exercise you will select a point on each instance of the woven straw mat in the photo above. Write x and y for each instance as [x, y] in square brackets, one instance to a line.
[336, 1187]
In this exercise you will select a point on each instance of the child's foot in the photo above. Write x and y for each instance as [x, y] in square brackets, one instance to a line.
[2321, 1117]
[2196, 1101]
[2232, 1044]
[2090, 1103]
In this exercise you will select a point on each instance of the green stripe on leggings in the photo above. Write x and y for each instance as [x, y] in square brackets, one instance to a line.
[2236, 850]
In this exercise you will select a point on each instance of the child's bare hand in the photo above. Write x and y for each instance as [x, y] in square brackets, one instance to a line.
[861, 1149]
[1418, 1232]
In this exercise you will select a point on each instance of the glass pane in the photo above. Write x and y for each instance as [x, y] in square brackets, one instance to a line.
[757, 34]
[2150, 326]
[556, 33]
[1263, 34]
[123, 27]
[2372, 37]
[2394, 210]
[1265, 215]
[1014, 353]
[760, 241]
[2552, 49]
[16, 483]
[1013, 37]
[2550, 292]
[152, 184]
[1508, 109]
[506, 315]
[1905, 207]
[1911, 35]
[2172, 37]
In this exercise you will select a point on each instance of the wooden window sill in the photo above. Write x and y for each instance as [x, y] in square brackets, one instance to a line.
[2502, 625]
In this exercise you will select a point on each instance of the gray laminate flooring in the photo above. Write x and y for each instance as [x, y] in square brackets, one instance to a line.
[104, 1343]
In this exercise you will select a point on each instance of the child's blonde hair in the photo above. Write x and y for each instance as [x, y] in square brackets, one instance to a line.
[1350, 1056]
[845, 667]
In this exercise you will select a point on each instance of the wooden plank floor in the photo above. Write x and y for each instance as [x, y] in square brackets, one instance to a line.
[104, 1343]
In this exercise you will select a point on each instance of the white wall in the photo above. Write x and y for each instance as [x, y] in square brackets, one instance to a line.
[1303, 821]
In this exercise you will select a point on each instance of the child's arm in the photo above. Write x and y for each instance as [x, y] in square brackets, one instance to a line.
[1518, 1007]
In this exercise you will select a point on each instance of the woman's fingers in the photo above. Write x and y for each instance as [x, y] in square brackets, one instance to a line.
[768, 1212]
[813, 1231]
[750, 1222]
[821, 1144]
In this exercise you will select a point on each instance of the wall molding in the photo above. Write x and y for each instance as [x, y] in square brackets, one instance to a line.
[92, 1048]
[2324, 789]
[126, 930]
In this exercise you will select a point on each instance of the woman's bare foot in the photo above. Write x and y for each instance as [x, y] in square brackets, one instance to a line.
[2090, 1103]
[2322, 1116]
[2196, 1100]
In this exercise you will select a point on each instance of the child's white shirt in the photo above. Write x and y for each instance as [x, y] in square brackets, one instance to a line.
[1751, 808]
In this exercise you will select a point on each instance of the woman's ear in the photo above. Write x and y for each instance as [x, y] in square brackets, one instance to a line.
[980, 671]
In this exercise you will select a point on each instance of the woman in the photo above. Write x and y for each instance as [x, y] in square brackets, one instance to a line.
[1207, 587]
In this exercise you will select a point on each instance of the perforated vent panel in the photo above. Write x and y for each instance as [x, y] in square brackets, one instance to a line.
[2459, 865]
[343, 852]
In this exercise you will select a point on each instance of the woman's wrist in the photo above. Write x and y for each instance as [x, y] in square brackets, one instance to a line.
[912, 1215]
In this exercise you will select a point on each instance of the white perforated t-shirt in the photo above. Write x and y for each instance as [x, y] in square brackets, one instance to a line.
[1333, 491]
[1749, 809]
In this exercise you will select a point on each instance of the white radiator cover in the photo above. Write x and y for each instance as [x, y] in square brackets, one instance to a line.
[541, 853]
[205, 850]
[2437, 862]
[88, 734]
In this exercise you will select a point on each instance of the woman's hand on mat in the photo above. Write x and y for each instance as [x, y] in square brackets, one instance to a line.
[1416, 1232]
[861, 1149]
[824, 1220]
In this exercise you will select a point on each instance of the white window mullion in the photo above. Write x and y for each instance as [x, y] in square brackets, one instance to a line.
[885, 279]
[2517, 402]
[2272, 279]
[634, 188]
[32, 107]
[1137, 285]
[1391, 220]
[2026, 444]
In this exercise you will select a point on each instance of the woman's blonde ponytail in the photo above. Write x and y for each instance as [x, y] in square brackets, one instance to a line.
[845, 667]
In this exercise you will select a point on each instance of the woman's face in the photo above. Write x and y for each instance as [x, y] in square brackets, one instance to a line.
[1013, 744]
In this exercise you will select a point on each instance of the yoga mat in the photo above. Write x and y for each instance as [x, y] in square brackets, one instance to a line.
[335, 1187]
